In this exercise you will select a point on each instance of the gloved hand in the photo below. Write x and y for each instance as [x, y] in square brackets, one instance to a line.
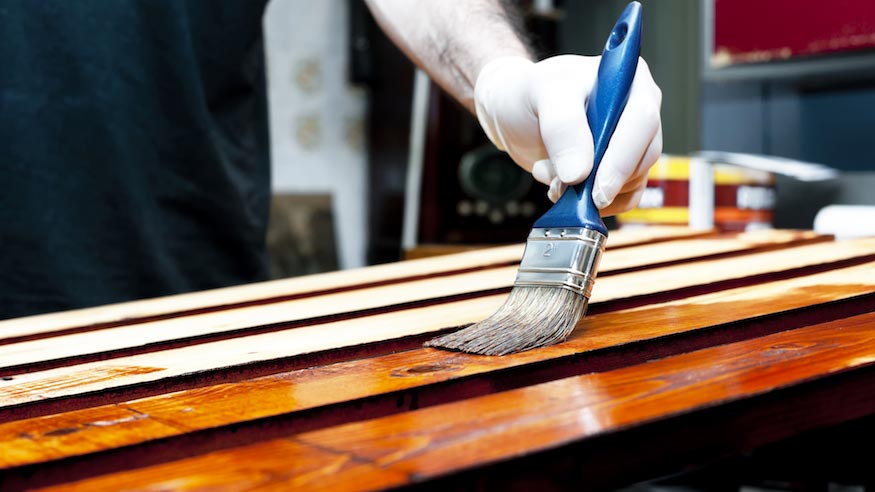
[536, 113]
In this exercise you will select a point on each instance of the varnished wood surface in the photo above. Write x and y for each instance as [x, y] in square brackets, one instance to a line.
[277, 465]
[333, 374]
[432, 442]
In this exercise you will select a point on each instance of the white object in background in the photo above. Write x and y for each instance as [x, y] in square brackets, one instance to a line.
[413, 189]
[846, 221]
[803, 171]
[317, 118]
[543, 6]
[701, 196]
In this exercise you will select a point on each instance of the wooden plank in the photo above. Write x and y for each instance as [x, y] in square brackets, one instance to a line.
[429, 250]
[697, 249]
[68, 434]
[434, 442]
[284, 289]
[423, 377]
[297, 466]
[464, 434]
[80, 379]
[57, 351]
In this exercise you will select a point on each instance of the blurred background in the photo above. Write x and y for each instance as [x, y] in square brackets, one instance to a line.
[768, 117]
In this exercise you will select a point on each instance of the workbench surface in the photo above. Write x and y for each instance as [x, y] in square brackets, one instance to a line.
[697, 345]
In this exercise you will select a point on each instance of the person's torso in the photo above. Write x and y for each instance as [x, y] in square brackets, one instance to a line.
[133, 150]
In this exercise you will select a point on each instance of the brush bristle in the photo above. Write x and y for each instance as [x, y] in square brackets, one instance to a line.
[531, 317]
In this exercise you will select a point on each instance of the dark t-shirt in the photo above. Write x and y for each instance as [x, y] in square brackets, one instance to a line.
[134, 156]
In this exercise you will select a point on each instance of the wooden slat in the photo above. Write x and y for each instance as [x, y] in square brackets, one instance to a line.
[294, 465]
[697, 249]
[434, 442]
[138, 338]
[428, 371]
[278, 290]
[63, 429]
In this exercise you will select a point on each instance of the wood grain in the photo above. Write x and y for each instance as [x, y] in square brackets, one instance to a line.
[285, 289]
[69, 434]
[441, 440]
[280, 465]
[392, 383]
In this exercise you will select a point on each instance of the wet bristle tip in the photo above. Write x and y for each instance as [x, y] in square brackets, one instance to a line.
[531, 317]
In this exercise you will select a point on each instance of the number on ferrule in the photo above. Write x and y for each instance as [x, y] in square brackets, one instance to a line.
[549, 250]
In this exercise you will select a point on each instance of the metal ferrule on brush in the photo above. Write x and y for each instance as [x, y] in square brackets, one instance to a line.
[566, 257]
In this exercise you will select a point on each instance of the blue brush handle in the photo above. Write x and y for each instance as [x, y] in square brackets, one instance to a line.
[606, 102]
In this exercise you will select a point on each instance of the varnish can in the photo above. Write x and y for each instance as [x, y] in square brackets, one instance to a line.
[743, 199]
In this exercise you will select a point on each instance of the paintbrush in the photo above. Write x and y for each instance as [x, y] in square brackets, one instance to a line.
[561, 259]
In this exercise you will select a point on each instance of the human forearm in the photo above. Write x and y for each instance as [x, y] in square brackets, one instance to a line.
[451, 40]
[536, 112]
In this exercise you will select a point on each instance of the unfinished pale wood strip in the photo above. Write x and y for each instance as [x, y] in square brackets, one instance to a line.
[95, 376]
[297, 391]
[121, 337]
[425, 444]
[265, 291]
[134, 311]
[68, 347]
[666, 252]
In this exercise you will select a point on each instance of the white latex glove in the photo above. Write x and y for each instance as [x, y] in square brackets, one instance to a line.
[536, 113]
